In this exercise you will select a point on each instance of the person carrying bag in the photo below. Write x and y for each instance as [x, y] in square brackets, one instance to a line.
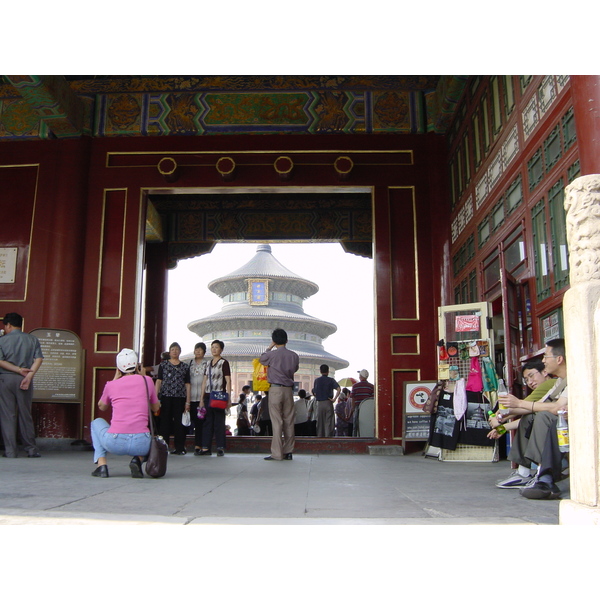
[216, 386]
[131, 430]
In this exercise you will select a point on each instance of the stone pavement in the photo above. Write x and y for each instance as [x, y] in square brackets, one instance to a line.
[240, 489]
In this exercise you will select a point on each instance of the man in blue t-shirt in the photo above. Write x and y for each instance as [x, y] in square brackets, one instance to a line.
[323, 391]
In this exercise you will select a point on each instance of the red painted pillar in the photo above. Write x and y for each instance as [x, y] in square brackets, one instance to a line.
[65, 258]
[586, 104]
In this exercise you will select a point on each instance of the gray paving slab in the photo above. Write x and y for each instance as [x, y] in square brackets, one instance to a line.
[243, 489]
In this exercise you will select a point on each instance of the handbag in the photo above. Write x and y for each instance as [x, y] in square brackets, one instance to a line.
[156, 465]
[218, 399]
[186, 420]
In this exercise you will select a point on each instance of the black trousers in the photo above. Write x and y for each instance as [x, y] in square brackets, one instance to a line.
[539, 445]
[171, 410]
[266, 427]
[214, 424]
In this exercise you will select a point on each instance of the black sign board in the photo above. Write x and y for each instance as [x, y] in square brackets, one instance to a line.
[60, 378]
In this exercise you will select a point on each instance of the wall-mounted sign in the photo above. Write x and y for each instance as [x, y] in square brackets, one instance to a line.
[8, 265]
[60, 378]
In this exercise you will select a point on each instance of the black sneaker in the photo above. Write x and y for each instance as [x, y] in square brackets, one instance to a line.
[541, 490]
[220, 452]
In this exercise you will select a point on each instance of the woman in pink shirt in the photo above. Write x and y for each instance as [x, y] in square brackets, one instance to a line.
[128, 432]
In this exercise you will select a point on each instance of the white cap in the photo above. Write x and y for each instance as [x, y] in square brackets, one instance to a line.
[364, 374]
[127, 360]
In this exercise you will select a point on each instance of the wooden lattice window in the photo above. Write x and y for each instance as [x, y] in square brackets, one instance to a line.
[560, 251]
[540, 251]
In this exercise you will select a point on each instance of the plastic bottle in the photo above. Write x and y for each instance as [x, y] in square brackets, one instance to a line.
[500, 428]
[562, 430]
[501, 391]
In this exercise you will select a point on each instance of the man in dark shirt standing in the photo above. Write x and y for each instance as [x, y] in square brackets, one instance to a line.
[360, 391]
[282, 364]
[323, 391]
[20, 357]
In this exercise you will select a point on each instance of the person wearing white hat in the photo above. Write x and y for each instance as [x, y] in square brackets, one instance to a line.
[360, 391]
[128, 433]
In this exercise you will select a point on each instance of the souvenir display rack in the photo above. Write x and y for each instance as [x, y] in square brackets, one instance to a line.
[466, 333]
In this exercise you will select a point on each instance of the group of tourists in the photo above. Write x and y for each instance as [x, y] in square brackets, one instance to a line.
[183, 395]
[179, 389]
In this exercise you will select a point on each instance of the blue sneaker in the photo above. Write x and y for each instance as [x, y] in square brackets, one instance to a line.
[514, 481]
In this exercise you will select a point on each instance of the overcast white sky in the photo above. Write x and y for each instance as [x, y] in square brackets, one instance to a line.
[345, 295]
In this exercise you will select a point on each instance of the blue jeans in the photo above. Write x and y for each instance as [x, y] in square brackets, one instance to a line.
[129, 444]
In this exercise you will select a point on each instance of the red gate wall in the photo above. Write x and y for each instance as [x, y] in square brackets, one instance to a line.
[78, 215]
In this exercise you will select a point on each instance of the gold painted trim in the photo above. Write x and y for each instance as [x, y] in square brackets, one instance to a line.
[289, 169]
[167, 171]
[261, 189]
[410, 154]
[94, 382]
[223, 171]
[412, 335]
[102, 230]
[418, 371]
[337, 168]
[35, 195]
[97, 333]
[416, 254]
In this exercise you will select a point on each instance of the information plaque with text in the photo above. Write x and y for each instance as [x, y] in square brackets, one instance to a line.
[60, 378]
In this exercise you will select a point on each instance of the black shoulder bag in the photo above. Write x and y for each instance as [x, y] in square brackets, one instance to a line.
[156, 465]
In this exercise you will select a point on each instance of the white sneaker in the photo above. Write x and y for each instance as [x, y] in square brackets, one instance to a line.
[514, 481]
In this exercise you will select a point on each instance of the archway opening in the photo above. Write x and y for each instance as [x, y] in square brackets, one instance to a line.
[344, 299]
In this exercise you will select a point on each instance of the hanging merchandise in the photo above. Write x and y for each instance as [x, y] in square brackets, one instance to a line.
[483, 348]
[490, 377]
[475, 381]
[473, 349]
[442, 352]
[460, 399]
[443, 371]
[452, 349]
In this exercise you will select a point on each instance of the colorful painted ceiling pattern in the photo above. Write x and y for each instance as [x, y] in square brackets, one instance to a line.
[34, 107]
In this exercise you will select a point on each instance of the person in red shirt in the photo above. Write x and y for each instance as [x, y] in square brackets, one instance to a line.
[360, 391]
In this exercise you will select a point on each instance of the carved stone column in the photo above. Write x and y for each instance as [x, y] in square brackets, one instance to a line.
[582, 337]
